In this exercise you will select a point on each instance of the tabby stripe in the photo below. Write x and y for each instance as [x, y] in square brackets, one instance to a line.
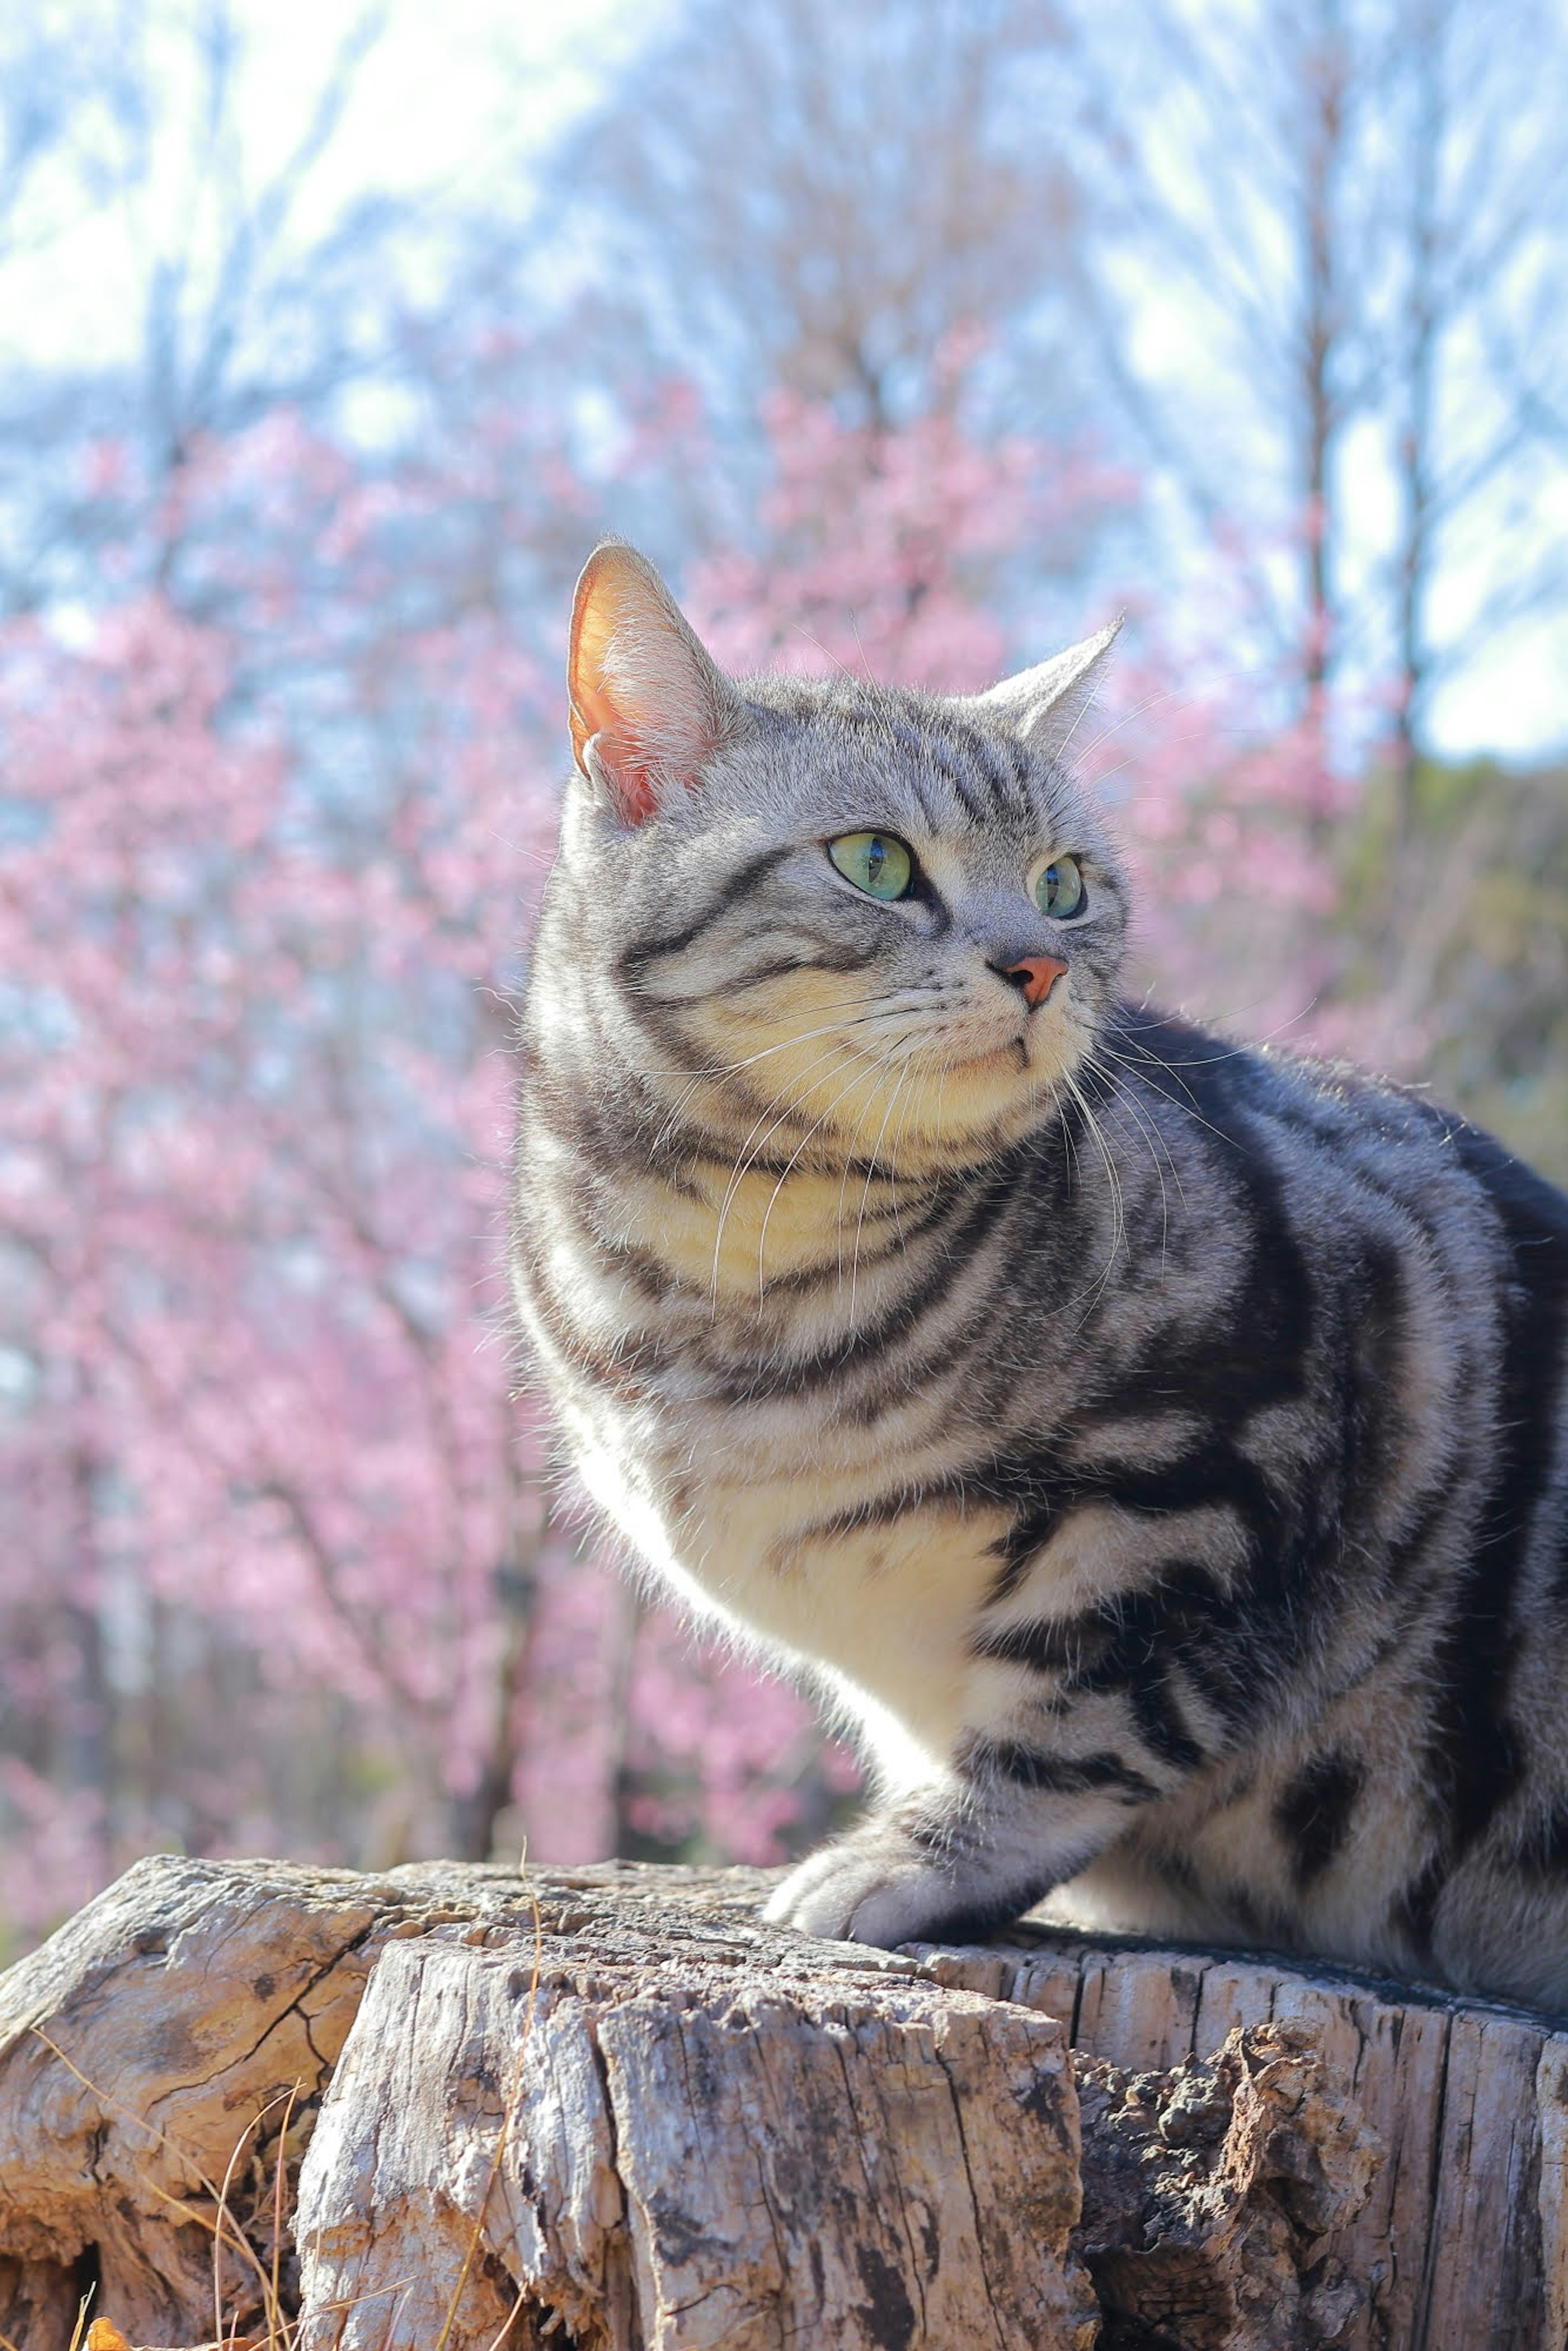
[1474, 1757]
[1130, 1642]
[886, 1509]
[1215, 1475]
[1085, 1654]
[800, 1376]
[1370, 1418]
[624, 1368]
[1029, 1767]
[1258, 1358]
[1047, 1645]
[1535, 1222]
[635, 959]
[1543, 1851]
[951, 770]
[839, 958]
[1314, 1814]
[1005, 767]
[1158, 1718]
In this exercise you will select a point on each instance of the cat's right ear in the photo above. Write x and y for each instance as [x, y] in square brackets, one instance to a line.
[649, 709]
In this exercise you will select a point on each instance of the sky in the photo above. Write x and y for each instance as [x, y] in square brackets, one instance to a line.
[453, 94]
[445, 101]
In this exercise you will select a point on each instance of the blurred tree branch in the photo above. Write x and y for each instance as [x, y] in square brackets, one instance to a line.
[854, 205]
[237, 304]
[1343, 205]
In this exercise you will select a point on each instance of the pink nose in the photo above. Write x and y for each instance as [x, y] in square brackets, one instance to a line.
[1040, 975]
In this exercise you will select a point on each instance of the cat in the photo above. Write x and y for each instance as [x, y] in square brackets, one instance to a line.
[1155, 1450]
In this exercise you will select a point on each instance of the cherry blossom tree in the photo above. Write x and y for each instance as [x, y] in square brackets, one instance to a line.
[294, 1569]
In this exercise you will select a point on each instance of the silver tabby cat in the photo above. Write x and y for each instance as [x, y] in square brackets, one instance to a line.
[1155, 1451]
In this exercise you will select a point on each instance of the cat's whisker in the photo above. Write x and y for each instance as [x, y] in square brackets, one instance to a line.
[866, 1188]
[746, 1155]
[829, 656]
[849, 1156]
[1071, 1145]
[1116, 1071]
[1159, 1151]
[1230, 1012]
[789, 1166]
[915, 1061]
[1113, 1182]
[773, 1116]
[705, 996]
[1104, 776]
[1163, 1163]
[814, 1128]
[835, 1030]
[1139, 710]
[801, 1036]
[865, 1076]
[859, 648]
[1130, 1029]
[1105, 1051]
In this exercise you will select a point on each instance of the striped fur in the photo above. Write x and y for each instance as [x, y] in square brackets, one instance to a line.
[1155, 1451]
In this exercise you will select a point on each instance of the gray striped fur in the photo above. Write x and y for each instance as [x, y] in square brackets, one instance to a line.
[1153, 1450]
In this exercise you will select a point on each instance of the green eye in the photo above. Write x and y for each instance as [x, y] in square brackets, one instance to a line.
[876, 863]
[1059, 890]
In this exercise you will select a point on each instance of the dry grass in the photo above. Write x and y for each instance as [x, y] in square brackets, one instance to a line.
[229, 2232]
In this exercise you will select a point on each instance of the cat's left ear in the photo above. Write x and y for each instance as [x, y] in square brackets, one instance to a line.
[649, 707]
[1045, 703]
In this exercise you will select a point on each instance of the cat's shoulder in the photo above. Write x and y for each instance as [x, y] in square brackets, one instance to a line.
[1263, 1097]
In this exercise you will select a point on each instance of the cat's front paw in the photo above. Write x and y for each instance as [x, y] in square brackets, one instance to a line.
[873, 1887]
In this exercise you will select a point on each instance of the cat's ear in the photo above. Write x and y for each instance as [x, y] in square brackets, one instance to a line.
[649, 707]
[1045, 703]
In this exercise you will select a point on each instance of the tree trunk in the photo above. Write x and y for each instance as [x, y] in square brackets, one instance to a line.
[1319, 358]
[449, 2106]
[1415, 450]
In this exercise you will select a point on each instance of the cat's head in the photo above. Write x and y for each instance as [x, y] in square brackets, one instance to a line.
[852, 919]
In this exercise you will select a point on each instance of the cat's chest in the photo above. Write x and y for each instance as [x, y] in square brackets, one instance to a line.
[776, 1464]
[810, 1542]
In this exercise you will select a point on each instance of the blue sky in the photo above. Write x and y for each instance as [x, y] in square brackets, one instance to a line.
[457, 91]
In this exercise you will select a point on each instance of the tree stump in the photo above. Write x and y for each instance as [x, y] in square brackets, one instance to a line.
[611, 2108]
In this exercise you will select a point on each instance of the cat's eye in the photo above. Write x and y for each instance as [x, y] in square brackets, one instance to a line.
[1059, 888]
[877, 862]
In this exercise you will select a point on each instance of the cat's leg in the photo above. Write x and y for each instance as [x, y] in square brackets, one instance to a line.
[1012, 1818]
[1071, 1723]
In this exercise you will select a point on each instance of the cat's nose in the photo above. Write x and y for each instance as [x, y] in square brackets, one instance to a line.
[1034, 975]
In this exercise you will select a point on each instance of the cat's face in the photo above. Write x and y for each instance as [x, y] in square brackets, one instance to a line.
[852, 923]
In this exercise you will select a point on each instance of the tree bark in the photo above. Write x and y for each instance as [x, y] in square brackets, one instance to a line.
[611, 2108]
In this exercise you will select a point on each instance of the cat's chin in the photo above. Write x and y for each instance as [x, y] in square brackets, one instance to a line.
[986, 1100]
[976, 1122]
[1013, 1055]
